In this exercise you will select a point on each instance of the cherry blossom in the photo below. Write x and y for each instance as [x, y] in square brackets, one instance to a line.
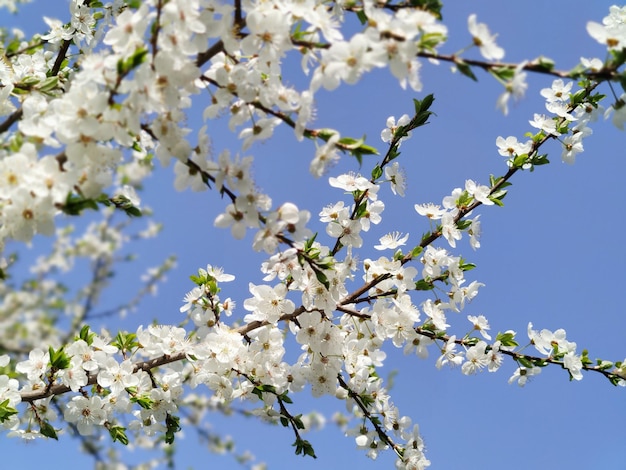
[484, 39]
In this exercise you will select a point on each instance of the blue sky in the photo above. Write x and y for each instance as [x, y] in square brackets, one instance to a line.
[551, 255]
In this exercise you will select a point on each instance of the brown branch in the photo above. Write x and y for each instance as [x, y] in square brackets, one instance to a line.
[382, 433]
[59, 389]
[601, 75]
[517, 356]
[12, 119]
[60, 58]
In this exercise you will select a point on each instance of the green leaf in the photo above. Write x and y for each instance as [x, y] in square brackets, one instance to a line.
[578, 97]
[125, 342]
[86, 335]
[463, 224]
[544, 63]
[321, 277]
[367, 150]
[118, 433]
[144, 401]
[47, 430]
[377, 172]
[540, 160]
[350, 144]
[415, 252]
[286, 398]
[6, 411]
[465, 69]
[75, 204]
[424, 285]
[58, 359]
[520, 160]
[430, 41]
[423, 105]
[326, 133]
[133, 212]
[360, 14]
[173, 426]
[464, 199]
[618, 57]
[368, 400]
[503, 73]
[361, 211]
[124, 66]
[48, 84]
[466, 266]
[304, 447]
[507, 339]
[297, 420]
[433, 6]
[121, 202]
[29, 81]
[421, 112]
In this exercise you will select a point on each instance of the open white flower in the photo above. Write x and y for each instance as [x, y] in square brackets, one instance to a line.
[485, 41]
[391, 241]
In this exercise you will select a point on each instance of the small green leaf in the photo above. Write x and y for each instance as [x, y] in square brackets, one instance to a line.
[465, 69]
[304, 447]
[144, 401]
[367, 150]
[360, 14]
[349, 143]
[58, 359]
[326, 133]
[75, 204]
[467, 266]
[48, 84]
[321, 277]
[505, 74]
[506, 339]
[520, 160]
[125, 342]
[415, 252]
[118, 433]
[377, 172]
[173, 426]
[297, 420]
[6, 411]
[544, 63]
[86, 335]
[463, 224]
[540, 160]
[425, 104]
[424, 285]
[286, 398]
[432, 6]
[47, 430]
[124, 66]
[133, 212]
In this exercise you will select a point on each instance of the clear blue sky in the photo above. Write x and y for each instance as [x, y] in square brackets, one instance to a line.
[552, 255]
